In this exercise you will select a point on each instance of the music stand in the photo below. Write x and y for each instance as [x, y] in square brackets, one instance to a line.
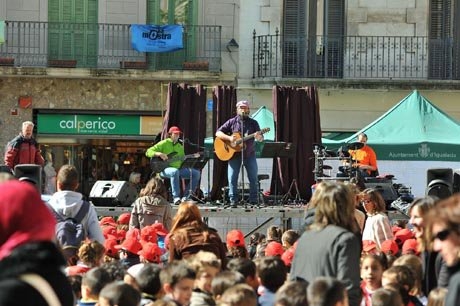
[194, 163]
[277, 149]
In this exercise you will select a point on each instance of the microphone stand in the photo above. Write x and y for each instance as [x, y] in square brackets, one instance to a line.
[242, 161]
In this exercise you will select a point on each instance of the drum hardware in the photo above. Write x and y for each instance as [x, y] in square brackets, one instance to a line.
[355, 145]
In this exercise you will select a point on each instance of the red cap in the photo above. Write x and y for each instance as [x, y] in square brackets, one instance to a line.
[389, 247]
[148, 234]
[151, 252]
[403, 235]
[110, 247]
[274, 249]
[369, 246]
[160, 229]
[121, 234]
[235, 238]
[109, 232]
[133, 233]
[124, 218]
[288, 256]
[131, 245]
[107, 221]
[410, 246]
[174, 129]
[395, 228]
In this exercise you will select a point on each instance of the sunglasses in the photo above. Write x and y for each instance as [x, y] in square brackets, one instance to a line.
[442, 235]
[366, 201]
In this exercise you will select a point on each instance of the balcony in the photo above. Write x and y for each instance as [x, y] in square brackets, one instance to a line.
[103, 46]
[356, 57]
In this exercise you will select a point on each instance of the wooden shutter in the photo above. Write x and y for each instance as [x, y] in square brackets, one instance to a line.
[294, 39]
[439, 36]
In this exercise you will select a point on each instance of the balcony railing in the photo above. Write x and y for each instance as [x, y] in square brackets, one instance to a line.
[355, 57]
[108, 46]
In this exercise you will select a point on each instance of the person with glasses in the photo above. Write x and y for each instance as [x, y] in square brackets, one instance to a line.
[443, 234]
[377, 227]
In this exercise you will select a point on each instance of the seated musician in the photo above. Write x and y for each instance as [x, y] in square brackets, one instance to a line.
[172, 148]
[364, 159]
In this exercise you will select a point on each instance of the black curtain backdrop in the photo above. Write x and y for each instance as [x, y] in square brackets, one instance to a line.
[186, 108]
[297, 120]
[224, 107]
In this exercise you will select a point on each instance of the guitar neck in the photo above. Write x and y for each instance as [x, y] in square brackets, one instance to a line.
[239, 141]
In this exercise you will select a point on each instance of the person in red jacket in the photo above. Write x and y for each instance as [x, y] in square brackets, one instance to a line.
[23, 149]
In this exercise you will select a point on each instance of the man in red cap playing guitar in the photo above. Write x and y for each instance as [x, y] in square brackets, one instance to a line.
[169, 155]
[235, 133]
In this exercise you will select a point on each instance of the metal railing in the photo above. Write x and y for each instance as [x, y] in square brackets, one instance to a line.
[97, 45]
[355, 57]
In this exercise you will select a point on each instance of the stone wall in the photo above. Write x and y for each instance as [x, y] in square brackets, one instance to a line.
[75, 94]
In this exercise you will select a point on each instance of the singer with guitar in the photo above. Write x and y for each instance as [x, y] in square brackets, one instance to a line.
[230, 132]
[171, 149]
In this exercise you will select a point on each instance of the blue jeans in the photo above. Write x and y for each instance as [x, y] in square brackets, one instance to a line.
[234, 166]
[175, 175]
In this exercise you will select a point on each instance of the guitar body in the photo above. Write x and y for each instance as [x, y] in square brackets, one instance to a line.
[225, 150]
[157, 164]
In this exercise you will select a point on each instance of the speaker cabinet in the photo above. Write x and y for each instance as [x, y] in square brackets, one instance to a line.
[112, 193]
[439, 182]
[386, 189]
[30, 173]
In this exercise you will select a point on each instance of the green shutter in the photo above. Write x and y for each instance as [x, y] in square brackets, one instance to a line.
[294, 37]
[335, 25]
[439, 55]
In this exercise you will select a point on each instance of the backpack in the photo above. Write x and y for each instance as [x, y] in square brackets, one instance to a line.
[70, 233]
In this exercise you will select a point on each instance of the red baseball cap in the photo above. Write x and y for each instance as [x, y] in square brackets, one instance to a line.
[403, 234]
[131, 245]
[389, 247]
[149, 234]
[133, 233]
[109, 232]
[160, 229]
[369, 246]
[107, 221]
[288, 256]
[110, 247]
[235, 238]
[124, 218]
[174, 129]
[274, 249]
[151, 252]
[410, 246]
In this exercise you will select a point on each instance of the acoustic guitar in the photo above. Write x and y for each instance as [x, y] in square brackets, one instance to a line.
[225, 149]
[157, 164]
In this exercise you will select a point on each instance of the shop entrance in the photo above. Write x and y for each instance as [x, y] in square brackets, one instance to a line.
[97, 159]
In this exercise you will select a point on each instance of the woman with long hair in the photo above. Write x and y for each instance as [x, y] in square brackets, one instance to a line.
[331, 245]
[151, 206]
[377, 227]
[189, 235]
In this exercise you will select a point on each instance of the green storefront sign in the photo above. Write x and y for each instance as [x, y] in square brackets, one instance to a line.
[93, 124]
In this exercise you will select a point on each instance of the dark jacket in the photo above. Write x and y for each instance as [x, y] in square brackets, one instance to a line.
[23, 151]
[332, 251]
[190, 240]
[42, 258]
[453, 290]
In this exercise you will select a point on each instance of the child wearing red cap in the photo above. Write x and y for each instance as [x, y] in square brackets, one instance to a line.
[236, 245]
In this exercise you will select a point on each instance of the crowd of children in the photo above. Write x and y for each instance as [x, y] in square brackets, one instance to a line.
[335, 262]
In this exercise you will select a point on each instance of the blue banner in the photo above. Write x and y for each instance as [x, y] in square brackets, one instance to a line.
[156, 38]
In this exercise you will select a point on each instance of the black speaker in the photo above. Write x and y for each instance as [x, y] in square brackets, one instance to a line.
[439, 182]
[385, 187]
[456, 182]
[30, 173]
[112, 193]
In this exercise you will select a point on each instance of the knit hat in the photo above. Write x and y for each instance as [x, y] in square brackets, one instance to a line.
[23, 217]
[235, 238]
[160, 229]
[410, 246]
[124, 218]
[274, 248]
[151, 252]
[389, 247]
[131, 245]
